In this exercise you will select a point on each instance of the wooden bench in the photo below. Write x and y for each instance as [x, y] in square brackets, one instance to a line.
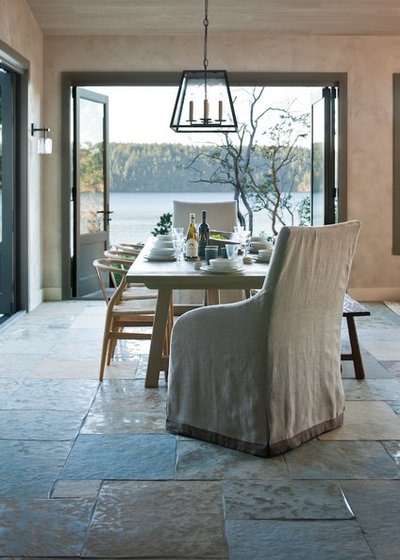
[351, 309]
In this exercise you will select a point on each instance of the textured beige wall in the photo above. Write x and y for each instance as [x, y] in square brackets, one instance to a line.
[369, 63]
[18, 30]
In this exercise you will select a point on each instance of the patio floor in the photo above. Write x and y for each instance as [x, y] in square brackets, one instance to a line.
[88, 470]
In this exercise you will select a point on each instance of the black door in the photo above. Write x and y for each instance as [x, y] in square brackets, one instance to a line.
[324, 190]
[7, 193]
[90, 188]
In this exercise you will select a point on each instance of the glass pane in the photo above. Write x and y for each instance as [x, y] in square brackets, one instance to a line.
[318, 165]
[1, 186]
[91, 167]
[1, 171]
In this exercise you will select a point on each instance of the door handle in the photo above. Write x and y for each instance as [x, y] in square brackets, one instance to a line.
[106, 213]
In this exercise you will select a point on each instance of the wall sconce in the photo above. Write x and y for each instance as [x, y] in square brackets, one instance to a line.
[45, 145]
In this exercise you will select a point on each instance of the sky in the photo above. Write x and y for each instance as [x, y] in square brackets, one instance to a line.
[142, 114]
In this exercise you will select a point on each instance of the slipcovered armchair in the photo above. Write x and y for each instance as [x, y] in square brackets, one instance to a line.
[263, 375]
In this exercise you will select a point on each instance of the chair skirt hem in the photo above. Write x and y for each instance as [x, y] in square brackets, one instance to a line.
[267, 449]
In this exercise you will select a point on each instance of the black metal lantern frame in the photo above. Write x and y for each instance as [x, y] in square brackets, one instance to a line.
[204, 102]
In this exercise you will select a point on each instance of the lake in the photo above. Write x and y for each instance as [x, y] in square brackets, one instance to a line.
[136, 214]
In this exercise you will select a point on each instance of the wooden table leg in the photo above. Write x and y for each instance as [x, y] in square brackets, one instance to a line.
[157, 362]
[213, 296]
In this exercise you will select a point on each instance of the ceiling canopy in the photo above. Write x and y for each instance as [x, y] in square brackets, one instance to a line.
[272, 17]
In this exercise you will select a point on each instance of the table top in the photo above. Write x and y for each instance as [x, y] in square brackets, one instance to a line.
[183, 275]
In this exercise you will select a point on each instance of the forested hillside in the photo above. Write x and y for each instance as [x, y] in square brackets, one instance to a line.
[164, 167]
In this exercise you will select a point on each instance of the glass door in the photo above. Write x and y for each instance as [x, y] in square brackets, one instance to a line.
[323, 158]
[7, 261]
[90, 188]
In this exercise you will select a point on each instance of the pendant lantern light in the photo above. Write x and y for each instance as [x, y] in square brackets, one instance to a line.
[204, 101]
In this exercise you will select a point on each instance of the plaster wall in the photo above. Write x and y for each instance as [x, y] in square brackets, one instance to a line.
[369, 63]
[20, 32]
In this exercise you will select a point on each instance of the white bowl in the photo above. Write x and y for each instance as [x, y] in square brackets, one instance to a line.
[165, 237]
[163, 244]
[265, 253]
[162, 251]
[223, 264]
[259, 239]
[257, 245]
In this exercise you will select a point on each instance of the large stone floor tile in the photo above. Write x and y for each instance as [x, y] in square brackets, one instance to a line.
[125, 406]
[54, 394]
[296, 540]
[66, 369]
[8, 387]
[393, 448]
[366, 420]
[320, 460]
[76, 489]
[202, 460]
[79, 349]
[129, 393]
[43, 528]
[372, 389]
[158, 519]
[125, 421]
[30, 468]
[384, 349]
[18, 365]
[376, 507]
[43, 425]
[393, 366]
[118, 456]
[289, 499]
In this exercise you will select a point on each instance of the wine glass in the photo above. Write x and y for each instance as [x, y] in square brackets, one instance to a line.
[178, 242]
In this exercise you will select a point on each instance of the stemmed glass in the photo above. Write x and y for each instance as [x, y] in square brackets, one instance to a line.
[178, 242]
[243, 236]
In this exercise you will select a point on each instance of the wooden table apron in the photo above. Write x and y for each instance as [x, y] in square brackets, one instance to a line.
[166, 276]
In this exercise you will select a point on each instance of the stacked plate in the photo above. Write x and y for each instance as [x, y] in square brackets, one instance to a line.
[257, 243]
[223, 266]
[162, 250]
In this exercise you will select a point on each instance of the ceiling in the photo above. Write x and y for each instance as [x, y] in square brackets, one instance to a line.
[272, 17]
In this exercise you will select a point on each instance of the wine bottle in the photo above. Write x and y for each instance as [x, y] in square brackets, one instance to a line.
[204, 234]
[192, 245]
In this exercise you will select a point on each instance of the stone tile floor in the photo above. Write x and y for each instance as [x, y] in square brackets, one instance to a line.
[87, 469]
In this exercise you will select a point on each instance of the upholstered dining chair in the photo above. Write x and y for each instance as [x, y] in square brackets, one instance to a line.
[221, 215]
[263, 375]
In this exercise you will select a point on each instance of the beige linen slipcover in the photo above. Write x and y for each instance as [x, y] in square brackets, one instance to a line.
[263, 375]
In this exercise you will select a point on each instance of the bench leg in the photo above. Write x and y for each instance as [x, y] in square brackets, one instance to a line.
[355, 348]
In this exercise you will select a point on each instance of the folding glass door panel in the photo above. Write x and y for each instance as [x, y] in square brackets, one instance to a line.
[90, 190]
[7, 261]
[324, 190]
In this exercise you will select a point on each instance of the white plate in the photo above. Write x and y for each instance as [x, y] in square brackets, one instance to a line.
[207, 268]
[160, 258]
[259, 259]
[162, 250]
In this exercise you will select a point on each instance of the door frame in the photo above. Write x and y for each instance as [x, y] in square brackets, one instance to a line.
[101, 238]
[87, 79]
[20, 67]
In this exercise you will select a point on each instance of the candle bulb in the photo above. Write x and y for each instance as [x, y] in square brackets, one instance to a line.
[206, 109]
[220, 110]
[190, 110]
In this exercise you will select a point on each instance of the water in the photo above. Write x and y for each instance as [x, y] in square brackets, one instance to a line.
[136, 214]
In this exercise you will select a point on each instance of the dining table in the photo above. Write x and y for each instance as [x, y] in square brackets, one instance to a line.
[167, 275]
